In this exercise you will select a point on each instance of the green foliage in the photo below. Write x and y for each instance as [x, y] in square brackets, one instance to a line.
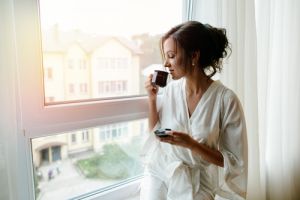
[113, 163]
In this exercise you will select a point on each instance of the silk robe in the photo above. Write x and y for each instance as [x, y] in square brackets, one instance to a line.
[217, 121]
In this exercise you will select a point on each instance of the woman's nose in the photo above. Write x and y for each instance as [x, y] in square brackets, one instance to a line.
[166, 63]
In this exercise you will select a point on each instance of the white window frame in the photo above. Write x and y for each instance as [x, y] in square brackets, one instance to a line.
[38, 120]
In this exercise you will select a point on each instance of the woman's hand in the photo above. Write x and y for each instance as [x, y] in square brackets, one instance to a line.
[151, 89]
[185, 140]
[180, 139]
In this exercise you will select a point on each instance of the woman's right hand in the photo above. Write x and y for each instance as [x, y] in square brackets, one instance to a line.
[151, 89]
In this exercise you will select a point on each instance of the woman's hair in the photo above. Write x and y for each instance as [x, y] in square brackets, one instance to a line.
[193, 36]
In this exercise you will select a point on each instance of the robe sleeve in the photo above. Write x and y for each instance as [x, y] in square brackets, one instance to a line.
[233, 146]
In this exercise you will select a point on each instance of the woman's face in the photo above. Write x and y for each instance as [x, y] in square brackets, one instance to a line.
[173, 59]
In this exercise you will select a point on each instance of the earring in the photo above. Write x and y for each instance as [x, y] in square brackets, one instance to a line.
[193, 64]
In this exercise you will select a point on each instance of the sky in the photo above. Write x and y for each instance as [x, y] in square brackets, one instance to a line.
[114, 17]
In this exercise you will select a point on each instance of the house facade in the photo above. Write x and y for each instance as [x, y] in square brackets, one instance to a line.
[81, 67]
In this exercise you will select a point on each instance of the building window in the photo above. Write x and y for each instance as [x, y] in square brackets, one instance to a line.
[102, 135]
[112, 63]
[73, 138]
[71, 88]
[49, 73]
[114, 131]
[85, 136]
[83, 88]
[82, 64]
[71, 64]
[112, 87]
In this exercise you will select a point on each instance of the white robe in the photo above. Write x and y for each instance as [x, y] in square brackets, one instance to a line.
[218, 121]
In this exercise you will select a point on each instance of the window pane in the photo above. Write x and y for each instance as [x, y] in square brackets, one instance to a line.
[70, 164]
[100, 48]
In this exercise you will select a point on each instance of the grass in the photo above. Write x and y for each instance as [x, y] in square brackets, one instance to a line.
[113, 163]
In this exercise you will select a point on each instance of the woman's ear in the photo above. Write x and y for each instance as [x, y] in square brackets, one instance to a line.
[195, 58]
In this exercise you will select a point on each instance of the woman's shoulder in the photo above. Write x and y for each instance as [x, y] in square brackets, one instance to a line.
[227, 94]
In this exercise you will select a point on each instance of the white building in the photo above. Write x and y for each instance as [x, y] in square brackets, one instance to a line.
[78, 67]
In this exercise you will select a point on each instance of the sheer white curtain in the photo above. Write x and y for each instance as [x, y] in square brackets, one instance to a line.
[239, 71]
[263, 70]
[278, 31]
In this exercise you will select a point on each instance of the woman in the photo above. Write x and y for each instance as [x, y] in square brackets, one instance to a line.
[205, 154]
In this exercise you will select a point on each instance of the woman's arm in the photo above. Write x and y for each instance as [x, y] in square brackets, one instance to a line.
[185, 140]
[211, 155]
[152, 91]
[153, 114]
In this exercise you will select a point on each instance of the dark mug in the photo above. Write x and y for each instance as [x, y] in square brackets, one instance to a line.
[159, 78]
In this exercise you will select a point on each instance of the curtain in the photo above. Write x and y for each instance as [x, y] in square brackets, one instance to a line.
[278, 31]
[262, 69]
[239, 70]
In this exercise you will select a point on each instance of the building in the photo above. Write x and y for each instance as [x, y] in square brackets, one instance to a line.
[80, 67]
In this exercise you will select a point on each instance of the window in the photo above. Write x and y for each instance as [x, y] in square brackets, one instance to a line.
[73, 38]
[79, 39]
[82, 64]
[85, 135]
[107, 88]
[73, 138]
[83, 88]
[64, 169]
[114, 63]
[71, 88]
[49, 73]
[70, 63]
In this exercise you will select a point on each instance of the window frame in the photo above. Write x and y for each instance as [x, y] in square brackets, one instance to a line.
[38, 119]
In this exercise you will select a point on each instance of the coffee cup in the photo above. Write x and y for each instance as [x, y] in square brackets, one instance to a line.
[159, 78]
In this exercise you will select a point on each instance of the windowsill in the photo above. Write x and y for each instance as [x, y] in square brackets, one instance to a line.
[128, 190]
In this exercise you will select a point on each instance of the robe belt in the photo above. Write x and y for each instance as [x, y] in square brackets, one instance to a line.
[184, 181]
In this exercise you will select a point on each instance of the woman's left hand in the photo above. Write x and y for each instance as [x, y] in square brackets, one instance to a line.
[185, 140]
[180, 139]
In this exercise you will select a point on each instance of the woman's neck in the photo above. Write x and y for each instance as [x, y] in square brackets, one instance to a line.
[197, 83]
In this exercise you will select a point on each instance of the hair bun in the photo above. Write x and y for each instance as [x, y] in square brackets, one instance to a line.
[194, 36]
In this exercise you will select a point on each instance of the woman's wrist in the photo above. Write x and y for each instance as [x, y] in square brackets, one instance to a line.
[152, 101]
[194, 145]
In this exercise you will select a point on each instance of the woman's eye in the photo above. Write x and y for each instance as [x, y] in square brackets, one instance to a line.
[171, 56]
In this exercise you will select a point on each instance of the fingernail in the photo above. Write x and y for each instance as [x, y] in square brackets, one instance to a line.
[169, 132]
